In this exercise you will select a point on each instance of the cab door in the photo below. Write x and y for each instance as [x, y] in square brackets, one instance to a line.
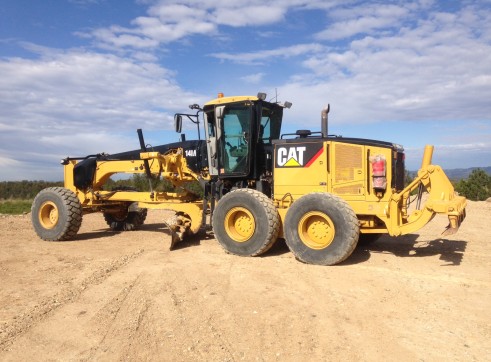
[234, 140]
[211, 136]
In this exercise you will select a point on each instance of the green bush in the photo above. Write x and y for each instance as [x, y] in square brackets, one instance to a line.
[477, 187]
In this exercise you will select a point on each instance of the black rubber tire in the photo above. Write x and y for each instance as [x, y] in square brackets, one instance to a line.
[261, 222]
[56, 214]
[330, 229]
[126, 221]
[367, 239]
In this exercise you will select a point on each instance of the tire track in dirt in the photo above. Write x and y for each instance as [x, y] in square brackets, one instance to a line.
[189, 317]
[121, 316]
[49, 305]
[198, 303]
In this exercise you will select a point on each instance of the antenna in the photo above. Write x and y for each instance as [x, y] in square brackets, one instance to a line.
[275, 97]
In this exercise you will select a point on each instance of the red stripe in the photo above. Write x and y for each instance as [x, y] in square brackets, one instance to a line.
[316, 156]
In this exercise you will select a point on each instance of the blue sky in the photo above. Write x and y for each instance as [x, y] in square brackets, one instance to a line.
[78, 77]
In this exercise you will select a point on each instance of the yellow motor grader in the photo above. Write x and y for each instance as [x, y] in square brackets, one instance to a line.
[320, 192]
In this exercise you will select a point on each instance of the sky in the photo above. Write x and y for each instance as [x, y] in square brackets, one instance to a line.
[78, 77]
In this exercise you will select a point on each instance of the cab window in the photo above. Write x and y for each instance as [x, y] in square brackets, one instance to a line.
[270, 124]
[236, 140]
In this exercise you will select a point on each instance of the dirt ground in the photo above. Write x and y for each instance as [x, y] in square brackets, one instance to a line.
[125, 296]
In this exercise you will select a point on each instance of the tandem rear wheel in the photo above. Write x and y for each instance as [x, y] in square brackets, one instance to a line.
[321, 228]
[245, 222]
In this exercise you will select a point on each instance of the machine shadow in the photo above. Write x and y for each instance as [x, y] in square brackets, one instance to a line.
[451, 252]
[189, 240]
[96, 234]
[278, 248]
[107, 232]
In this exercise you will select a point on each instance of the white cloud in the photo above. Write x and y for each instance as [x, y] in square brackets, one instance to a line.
[249, 15]
[8, 162]
[72, 102]
[253, 78]
[438, 68]
[67, 88]
[270, 55]
[409, 61]
[365, 19]
[166, 22]
[172, 20]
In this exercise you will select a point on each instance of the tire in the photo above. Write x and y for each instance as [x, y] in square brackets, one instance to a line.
[245, 222]
[129, 218]
[125, 220]
[321, 228]
[56, 214]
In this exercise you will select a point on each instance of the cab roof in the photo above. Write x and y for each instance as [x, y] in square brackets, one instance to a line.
[225, 100]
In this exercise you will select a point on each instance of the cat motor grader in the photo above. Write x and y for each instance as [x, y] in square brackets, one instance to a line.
[319, 192]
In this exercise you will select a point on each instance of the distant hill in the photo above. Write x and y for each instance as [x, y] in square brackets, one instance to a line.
[456, 174]
[460, 173]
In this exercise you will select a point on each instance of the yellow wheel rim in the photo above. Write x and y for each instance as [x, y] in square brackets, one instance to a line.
[316, 230]
[240, 224]
[48, 215]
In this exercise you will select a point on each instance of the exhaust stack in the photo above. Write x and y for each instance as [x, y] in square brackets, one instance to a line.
[324, 113]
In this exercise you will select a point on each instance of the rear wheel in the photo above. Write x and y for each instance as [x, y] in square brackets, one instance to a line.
[321, 228]
[56, 214]
[245, 222]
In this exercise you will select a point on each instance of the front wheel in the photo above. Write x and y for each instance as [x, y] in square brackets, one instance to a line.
[56, 214]
[245, 222]
[126, 219]
[321, 228]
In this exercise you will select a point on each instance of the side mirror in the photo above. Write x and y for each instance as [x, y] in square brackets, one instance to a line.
[178, 123]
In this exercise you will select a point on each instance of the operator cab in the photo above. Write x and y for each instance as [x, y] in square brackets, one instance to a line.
[239, 133]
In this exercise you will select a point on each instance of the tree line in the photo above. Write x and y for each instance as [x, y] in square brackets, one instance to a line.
[476, 187]
[27, 190]
[24, 190]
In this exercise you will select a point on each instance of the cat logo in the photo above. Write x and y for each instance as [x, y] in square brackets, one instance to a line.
[298, 155]
[290, 157]
[190, 153]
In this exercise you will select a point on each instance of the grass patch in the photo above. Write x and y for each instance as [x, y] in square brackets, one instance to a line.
[15, 207]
